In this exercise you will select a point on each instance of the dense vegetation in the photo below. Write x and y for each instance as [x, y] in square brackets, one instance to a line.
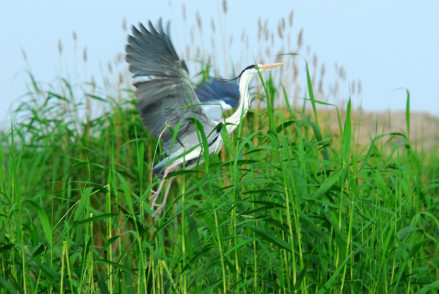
[285, 207]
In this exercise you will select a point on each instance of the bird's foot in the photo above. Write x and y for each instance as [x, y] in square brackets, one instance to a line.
[156, 195]
[159, 209]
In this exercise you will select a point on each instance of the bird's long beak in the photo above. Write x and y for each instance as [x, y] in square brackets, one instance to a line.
[270, 66]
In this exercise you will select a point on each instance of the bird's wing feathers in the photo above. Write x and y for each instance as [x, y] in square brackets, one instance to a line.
[165, 96]
[218, 96]
[217, 89]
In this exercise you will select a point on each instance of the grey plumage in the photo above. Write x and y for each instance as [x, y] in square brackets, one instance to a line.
[164, 92]
[218, 96]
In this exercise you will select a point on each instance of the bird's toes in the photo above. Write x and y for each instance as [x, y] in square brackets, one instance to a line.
[158, 211]
[154, 196]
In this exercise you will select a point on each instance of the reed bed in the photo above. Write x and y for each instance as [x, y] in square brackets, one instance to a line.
[286, 207]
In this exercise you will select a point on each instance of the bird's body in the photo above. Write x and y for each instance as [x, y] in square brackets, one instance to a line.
[176, 113]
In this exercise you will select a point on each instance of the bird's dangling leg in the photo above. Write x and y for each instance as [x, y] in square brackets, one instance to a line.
[160, 207]
[156, 194]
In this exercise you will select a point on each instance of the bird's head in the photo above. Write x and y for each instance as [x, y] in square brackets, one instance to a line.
[255, 68]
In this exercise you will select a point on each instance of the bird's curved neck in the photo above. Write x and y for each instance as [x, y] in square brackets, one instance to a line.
[244, 103]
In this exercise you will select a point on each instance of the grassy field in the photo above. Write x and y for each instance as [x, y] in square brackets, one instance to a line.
[286, 207]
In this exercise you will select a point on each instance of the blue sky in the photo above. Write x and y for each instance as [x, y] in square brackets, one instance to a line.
[385, 44]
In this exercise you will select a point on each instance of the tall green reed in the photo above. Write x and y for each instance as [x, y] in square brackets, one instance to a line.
[286, 207]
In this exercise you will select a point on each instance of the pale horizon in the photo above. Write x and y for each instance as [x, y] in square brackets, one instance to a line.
[386, 46]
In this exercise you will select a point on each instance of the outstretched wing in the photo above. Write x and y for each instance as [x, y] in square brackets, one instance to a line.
[164, 92]
[218, 96]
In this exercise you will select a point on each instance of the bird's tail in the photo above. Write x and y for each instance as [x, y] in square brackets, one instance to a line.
[159, 168]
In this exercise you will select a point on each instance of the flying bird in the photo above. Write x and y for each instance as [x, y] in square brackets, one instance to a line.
[176, 113]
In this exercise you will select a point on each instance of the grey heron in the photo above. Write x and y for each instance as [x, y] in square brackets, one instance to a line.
[173, 111]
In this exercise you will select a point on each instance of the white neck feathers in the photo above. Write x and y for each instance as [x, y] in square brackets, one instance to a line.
[244, 102]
